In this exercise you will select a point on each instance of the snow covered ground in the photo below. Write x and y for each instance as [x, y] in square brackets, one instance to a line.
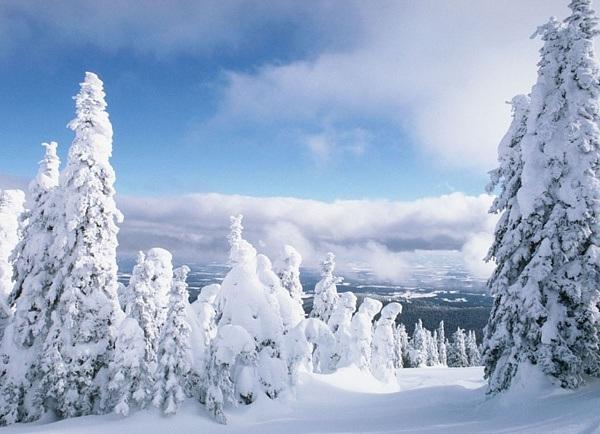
[436, 400]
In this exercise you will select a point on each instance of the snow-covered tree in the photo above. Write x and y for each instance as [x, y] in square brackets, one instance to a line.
[433, 357]
[386, 357]
[457, 351]
[151, 280]
[340, 323]
[441, 345]
[128, 380]
[287, 268]
[310, 347]
[403, 346]
[326, 295]
[34, 270]
[290, 310]
[77, 348]
[11, 209]
[473, 354]
[545, 285]
[418, 346]
[174, 350]
[232, 351]
[362, 332]
[249, 303]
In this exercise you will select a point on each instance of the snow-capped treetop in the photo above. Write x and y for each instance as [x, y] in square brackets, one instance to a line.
[326, 295]
[241, 250]
[91, 124]
[160, 262]
[48, 171]
[390, 311]
[209, 293]
[583, 18]
[287, 268]
[342, 311]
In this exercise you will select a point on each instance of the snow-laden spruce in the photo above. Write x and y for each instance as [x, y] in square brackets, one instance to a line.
[362, 332]
[78, 347]
[34, 271]
[249, 303]
[11, 209]
[174, 351]
[132, 376]
[326, 295]
[457, 350]
[546, 283]
[386, 357]
[287, 268]
[419, 346]
[340, 323]
[403, 342]
[441, 345]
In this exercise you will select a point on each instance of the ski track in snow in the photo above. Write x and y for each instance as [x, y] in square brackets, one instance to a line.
[428, 400]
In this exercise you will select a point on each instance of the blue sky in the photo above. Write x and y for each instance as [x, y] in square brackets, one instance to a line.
[364, 128]
[327, 100]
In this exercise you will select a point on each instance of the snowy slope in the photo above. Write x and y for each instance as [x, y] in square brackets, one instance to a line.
[427, 400]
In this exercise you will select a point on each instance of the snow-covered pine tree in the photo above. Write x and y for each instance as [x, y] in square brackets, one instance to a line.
[457, 351]
[326, 295]
[385, 357]
[78, 346]
[311, 347]
[404, 345]
[174, 350]
[127, 384]
[232, 350]
[340, 323]
[362, 332]
[34, 271]
[247, 302]
[545, 286]
[441, 345]
[473, 354]
[11, 209]
[290, 310]
[151, 281]
[418, 346]
[288, 269]
[433, 357]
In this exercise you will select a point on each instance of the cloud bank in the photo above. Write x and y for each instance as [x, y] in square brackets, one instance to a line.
[378, 235]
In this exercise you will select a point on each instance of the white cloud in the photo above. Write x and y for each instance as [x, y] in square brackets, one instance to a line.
[440, 70]
[377, 234]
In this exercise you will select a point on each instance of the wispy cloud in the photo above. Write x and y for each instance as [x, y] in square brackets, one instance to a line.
[377, 234]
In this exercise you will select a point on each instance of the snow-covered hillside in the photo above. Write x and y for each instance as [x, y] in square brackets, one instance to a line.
[438, 400]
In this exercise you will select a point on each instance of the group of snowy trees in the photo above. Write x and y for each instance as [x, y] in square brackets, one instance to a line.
[546, 286]
[76, 342]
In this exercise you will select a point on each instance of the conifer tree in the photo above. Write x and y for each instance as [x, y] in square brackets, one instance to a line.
[127, 374]
[81, 336]
[11, 209]
[362, 332]
[418, 346]
[441, 344]
[385, 357]
[545, 286]
[404, 345]
[340, 324]
[288, 270]
[34, 271]
[174, 351]
[473, 354]
[326, 295]
[457, 351]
